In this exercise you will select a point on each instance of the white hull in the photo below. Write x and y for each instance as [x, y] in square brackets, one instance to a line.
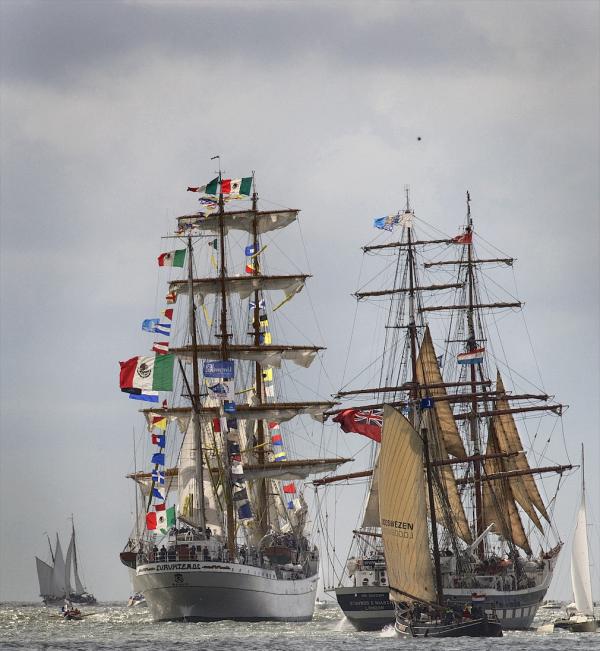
[210, 591]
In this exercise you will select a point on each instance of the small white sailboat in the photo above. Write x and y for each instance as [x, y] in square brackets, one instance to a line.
[581, 617]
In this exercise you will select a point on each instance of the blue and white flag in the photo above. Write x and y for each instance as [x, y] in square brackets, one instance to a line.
[222, 368]
[158, 477]
[222, 390]
[250, 250]
[245, 512]
[261, 304]
[386, 223]
[149, 325]
[158, 458]
[156, 492]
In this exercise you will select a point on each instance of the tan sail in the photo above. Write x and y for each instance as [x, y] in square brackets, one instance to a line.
[524, 487]
[428, 372]
[371, 515]
[241, 220]
[403, 510]
[446, 437]
[499, 505]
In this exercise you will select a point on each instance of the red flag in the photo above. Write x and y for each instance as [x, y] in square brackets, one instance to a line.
[171, 298]
[216, 424]
[168, 313]
[368, 422]
[289, 488]
[463, 238]
[161, 347]
[226, 186]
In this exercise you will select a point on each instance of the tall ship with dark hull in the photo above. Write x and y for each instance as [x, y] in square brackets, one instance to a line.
[441, 348]
[235, 544]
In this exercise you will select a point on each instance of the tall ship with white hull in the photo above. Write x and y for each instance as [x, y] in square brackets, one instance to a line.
[237, 543]
[489, 510]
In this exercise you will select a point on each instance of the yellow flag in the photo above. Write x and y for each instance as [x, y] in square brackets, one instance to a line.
[267, 374]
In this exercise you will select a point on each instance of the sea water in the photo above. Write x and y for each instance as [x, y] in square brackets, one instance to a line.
[115, 626]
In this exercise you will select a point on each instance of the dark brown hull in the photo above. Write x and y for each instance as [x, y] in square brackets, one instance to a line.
[475, 628]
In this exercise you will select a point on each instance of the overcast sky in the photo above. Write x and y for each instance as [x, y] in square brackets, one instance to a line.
[109, 110]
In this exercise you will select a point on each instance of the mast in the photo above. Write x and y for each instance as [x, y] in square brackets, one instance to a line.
[412, 324]
[432, 515]
[74, 546]
[50, 545]
[195, 394]
[224, 336]
[263, 510]
[472, 345]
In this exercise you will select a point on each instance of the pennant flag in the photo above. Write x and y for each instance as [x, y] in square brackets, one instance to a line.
[272, 425]
[368, 422]
[386, 223]
[440, 360]
[471, 357]
[237, 468]
[158, 477]
[463, 238]
[269, 391]
[171, 298]
[158, 439]
[249, 268]
[160, 422]
[290, 505]
[149, 325]
[267, 375]
[143, 374]
[160, 347]
[237, 186]
[280, 455]
[276, 439]
[289, 488]
[214, 244]
[156, 492]
[250, 250]
[163, 329]
[172, 258]
[233, 447]
[168, 313]
[216, 423]
[161, 519]
[147, 397]
[261, 304]
[264, 321]
[265, 338]
[245, 512]
[232, 423]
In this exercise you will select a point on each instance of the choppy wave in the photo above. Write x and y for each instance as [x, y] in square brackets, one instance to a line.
[114, 626]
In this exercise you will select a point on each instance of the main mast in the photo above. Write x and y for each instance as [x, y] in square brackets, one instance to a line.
[224, 336]
[473, 421]
[195, 397]
[263, 510]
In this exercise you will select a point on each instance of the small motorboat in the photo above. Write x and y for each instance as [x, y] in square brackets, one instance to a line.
[136, 600]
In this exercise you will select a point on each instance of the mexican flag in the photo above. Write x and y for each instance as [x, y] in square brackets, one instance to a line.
[209, 188]
[147, 374]
[161, 519]
[172, 258]
[237, 186]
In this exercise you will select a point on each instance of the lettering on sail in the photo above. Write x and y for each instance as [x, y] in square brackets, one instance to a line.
[399, 528]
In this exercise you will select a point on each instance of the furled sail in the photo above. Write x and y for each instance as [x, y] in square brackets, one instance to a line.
[44, 572]
[267, 355]
[243, 220]
[242, 285]
[290, 470]
[428, 373]
[524, 487]
[499, 507]
[403, 510]
[580, 562]
[276, 412]
[79, 588]
[371, 514]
